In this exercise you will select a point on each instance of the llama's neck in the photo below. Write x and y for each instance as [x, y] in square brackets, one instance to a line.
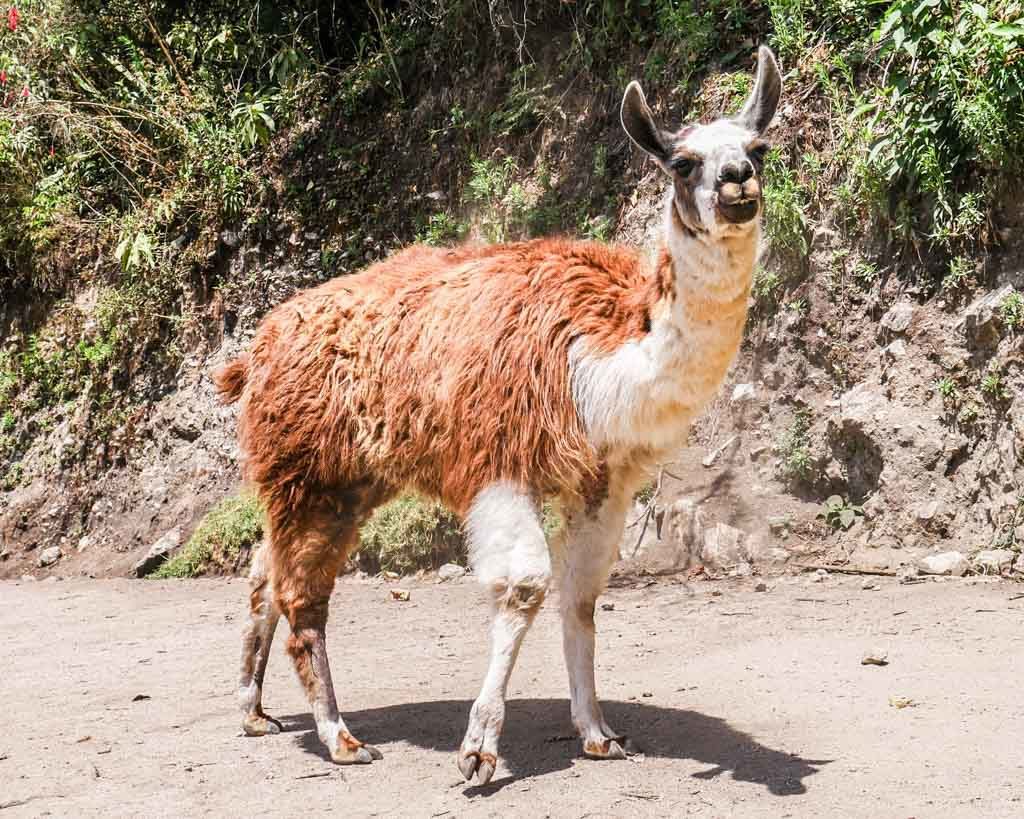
[709, 273]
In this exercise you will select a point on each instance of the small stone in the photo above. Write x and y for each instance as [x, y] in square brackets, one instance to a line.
[84, 542]
[908, 574]
[647, 694]
[48, 557]
[946, 563]
[158, 552]
[869, 584]
[607, 607]
[450, 571]
[901, 702]
[875, 657]
[820, 576]
[993, 561]
[927, 511]
[760, 586]
[743, 393]
[896, 350]
[401, 595]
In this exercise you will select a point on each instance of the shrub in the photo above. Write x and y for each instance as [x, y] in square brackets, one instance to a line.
[785, 200]
[218, 542]
[409, 534]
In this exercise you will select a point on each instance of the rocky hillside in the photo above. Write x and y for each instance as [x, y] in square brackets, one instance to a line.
[168, 175]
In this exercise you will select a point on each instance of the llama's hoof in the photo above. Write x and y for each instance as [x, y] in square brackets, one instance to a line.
[351, 751]
[258, 725]
[477, 762]
[610, 748]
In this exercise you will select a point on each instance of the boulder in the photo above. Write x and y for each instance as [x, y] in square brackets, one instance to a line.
[723, 546]
[48, 557]
[979, 320]
[158, 553]
[947, 563]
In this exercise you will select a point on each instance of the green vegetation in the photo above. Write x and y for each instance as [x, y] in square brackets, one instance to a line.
[794, 448]
[218, 542]
[785, 202]
[1012, 311]
[409, 534]
[839, 513]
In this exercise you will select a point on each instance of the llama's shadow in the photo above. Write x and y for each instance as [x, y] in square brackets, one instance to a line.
[537, 739]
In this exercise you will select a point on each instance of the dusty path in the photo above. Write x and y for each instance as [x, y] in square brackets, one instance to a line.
[748, 704]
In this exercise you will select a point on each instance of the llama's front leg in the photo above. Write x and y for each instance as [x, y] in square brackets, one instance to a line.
[508, 552]
[256, 640]
[593, 532]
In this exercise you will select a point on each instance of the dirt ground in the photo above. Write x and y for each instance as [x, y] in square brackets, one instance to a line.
[747, 703]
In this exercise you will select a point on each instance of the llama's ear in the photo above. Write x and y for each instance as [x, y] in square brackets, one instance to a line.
[759, 109]
[638, 122]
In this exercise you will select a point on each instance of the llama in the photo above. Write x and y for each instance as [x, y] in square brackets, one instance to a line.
[493, 378]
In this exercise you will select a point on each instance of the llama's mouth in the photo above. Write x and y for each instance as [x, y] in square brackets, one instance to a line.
[738, 212]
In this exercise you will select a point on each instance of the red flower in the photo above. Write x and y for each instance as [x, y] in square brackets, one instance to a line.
[12, 18]
[24, 93]
[3, 78]
[53, 151]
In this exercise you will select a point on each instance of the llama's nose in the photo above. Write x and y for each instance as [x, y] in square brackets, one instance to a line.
[736, 172]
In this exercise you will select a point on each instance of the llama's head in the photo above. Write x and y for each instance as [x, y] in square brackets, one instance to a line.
[716, 168]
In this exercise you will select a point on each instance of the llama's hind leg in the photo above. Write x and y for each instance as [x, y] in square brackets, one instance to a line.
[307, 552]
[509, 553]
[256, 640]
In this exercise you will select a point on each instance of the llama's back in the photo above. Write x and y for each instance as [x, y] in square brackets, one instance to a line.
[441, 369]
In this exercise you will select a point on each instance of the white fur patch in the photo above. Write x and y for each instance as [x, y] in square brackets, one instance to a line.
[647, 391]
[506, 540]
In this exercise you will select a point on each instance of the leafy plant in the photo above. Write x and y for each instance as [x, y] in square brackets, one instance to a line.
[409, 534]
[1011, 310]
[839, 513]
[785, 200]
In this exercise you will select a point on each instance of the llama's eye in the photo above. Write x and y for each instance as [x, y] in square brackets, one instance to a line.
[759, 152]
[684, 167]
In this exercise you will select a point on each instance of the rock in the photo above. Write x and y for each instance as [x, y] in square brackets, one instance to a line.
[978, 322]
[48, 557]
[895, 351]
[993, 561]
[84, 542]
[947, 563]
[760, 586]
[875, 657]
[898, 319]
[820, 576]
[869, 584]
[723, 546]
[607, 607]
[778, 524]
[401, 595]
[450, 571]
[683, 528]
[743, 393]
[28, 578]
[901, 702]
[158, 553]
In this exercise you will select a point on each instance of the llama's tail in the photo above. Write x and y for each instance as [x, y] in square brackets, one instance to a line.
[230, 379]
